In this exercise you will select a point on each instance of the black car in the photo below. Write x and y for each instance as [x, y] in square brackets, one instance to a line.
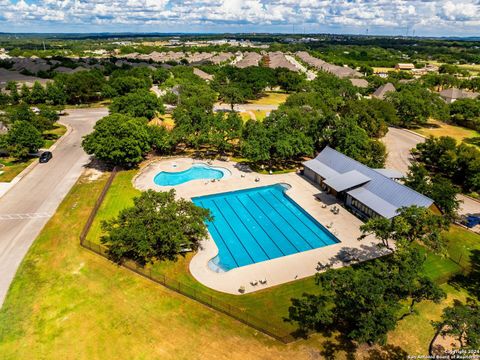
[45, 157]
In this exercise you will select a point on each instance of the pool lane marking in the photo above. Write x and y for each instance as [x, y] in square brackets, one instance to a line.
[306, 226]
[274, 225]
[248, 230]
[260, 226]
[286, 221]
[220, 235]
[312, 219]
[233, 231]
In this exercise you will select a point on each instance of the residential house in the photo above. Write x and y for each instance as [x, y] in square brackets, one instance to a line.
[404, 66]
[383, 90]
[452, 94]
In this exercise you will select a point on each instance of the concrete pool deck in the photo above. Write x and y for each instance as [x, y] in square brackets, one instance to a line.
[345, 226]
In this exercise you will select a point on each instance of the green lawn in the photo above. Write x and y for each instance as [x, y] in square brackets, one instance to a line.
[12, 168]
[51, 136]
[66, 302]
[437, 267]
[270, 98]
[438, 128]
[119, 196]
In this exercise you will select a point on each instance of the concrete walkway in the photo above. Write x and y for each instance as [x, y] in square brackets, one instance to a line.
[276, 271]
[29, 204]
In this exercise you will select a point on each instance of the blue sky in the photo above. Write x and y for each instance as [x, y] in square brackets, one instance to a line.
[389, 17]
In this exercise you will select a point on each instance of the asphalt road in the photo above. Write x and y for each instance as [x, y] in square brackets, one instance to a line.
[28, 205]
[398, 143]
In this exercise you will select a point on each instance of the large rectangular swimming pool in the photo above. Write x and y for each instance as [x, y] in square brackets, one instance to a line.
[259, 224]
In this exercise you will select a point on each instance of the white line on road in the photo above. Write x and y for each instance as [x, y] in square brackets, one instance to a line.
[24, 216]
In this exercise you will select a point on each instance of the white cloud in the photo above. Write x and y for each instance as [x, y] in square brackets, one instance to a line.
[451, 15]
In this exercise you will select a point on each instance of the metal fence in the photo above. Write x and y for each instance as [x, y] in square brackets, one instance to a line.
[198, 295]
[201, 296]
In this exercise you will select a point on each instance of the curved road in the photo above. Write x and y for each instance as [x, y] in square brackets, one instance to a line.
[29, 204]
[398, 143]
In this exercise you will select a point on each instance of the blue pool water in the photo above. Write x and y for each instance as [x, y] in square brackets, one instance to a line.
[196, 172]
[259, 224]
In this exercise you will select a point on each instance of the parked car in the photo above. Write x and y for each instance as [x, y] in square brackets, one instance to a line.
[45, 157]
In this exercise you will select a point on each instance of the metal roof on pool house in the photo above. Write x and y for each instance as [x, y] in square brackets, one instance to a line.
[369, 186]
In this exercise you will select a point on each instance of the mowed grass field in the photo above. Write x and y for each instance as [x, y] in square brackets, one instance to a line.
[270, 98]
[438, 128]
[272, 304]
[51, 136]
[258, 115]
[69, 303]
[12, 167]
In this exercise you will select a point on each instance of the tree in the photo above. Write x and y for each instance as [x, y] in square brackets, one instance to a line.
[372, 115]
[158, 227]
[232, 95]
[416, 104]
[255, 142]
[366, 70]
[223, 130]
[140, 103]
[37, 94]
[160, 75]
[353, 141]
[353, 300]
[81, 87]
[119, 139]
[12, 88]
[412, 224]
[25, 93]
[466, 112]
[122, 85]
[55, 94]
[289, 80]
[23, 138]
[462, 321]
[459, 163]
[364, 302]
[441, 190]
[424, 289]
[160, 139]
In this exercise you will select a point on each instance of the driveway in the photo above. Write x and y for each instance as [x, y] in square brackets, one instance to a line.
[28, 205]
[398, 143]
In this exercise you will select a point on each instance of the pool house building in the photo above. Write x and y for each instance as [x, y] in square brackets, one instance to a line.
[365, 191]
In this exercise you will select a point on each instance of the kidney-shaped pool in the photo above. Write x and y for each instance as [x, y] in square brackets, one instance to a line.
[196, 172]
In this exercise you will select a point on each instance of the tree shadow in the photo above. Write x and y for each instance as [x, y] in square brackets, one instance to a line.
[471, 280]
[387, 352]
[331, 348]
[473, 140]
[95, 164]
[350, 255]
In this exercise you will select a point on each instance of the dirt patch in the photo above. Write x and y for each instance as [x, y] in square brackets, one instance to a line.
[92, 174]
